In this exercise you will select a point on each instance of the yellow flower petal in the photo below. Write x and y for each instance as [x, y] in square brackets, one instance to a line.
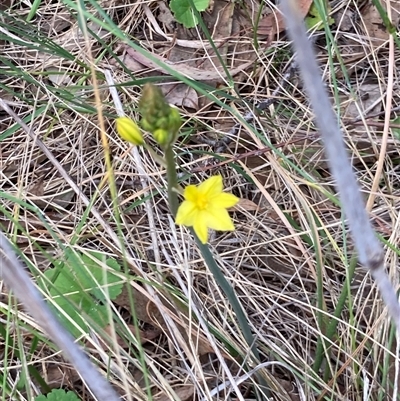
[211, 187]
[219, 220]
[224, 200]
[186, 214]
[201, 230]
[191, 193]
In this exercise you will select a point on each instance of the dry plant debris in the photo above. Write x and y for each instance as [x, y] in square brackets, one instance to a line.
[290, 246]
[372, 21]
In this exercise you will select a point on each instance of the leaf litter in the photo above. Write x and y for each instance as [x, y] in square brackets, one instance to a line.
[200, 64]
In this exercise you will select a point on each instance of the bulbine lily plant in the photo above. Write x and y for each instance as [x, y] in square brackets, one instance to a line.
[204, 206]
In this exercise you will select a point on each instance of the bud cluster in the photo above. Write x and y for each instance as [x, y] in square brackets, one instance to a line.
[158, 117]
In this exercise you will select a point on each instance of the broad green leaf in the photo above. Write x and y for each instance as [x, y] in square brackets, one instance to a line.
[91, 274]
[183, 13]
[58, 395]
[76, 289]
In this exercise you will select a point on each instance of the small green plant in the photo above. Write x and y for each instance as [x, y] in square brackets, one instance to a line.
[58, 395]
[314, 18]
[183, 11]
[78, 286]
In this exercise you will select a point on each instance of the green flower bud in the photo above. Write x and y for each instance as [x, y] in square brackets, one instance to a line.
[158, 117]
[161, 136]
[145, 125]
[175, 120]
[129, 131]
[153, 106]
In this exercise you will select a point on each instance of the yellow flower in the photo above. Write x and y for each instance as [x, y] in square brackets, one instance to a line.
[129, 131]
[205, 207]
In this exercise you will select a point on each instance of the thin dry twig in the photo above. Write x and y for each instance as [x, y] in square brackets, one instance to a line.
[369, 249]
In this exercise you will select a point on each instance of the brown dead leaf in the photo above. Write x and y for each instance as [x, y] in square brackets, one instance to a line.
[144, 335]
[6, 95]
[182, 68]
[273, 23]
[289, 388]
[345, 19]
[246, 204]
[184, 393]
[57, 375]
[37, 188]
[373, 24]
[179, 94]
[165, 16]
[131, 63]
[367, 102]
[221, 19]
[43, 194]
[141, 302]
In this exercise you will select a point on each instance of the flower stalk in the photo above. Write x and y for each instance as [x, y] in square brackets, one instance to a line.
[172, 180]
[205, 206]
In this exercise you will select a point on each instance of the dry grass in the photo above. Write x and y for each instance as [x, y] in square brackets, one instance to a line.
[290, 255]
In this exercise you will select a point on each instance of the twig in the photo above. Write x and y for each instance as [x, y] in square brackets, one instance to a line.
[251, 153]
[369, 249]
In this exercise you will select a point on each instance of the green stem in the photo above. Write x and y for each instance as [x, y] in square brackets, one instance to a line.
[172, 180]
[386, 21]
[33, 10]
[212, 265]
[237, 307]
[207, 255]
[230, 293]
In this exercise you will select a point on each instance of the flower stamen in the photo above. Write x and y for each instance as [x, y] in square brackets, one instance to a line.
[202, 203]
